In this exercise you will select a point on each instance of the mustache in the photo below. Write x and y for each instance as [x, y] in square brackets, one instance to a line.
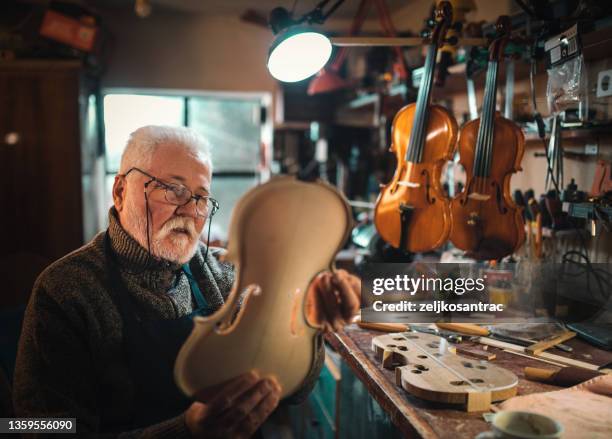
[178, 223]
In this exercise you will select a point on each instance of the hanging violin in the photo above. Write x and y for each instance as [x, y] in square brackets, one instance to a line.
[412, 211]
[486, 222]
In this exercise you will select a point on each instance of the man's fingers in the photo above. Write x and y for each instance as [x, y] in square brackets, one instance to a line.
[315, 311]
[330, 301]
[259, 414]
[248, 401]
[349, 302]
[225, 395]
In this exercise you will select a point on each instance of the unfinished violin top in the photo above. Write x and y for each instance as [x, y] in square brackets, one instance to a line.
[282, 234]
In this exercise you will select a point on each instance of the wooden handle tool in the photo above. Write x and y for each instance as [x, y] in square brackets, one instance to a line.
[549, 342]
[464, 328]
[565, 377]
[384, 327]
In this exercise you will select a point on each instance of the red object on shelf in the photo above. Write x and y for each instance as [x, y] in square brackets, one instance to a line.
[602, 182]
[328, 79]
[69, 31]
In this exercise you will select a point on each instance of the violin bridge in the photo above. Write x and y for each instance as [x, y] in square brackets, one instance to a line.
[408, 184]
[479, 197]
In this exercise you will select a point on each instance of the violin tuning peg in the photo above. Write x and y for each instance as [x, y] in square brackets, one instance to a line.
[430, 23]
[425, 34]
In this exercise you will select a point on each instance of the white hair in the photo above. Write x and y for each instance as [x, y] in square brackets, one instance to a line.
[143, 143]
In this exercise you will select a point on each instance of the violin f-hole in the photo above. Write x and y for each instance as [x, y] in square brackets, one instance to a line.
[499, 196]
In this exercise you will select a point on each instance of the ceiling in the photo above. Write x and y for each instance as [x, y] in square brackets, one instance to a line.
[237, 7]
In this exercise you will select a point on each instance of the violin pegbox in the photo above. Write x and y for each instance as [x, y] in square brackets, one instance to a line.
[428, 372]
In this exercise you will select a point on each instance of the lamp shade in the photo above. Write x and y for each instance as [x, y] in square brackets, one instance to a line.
[297, 54]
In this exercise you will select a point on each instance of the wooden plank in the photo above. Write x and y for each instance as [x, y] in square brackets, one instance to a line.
[40, 64]
[549, 342]
[545, 355]
[475, 353]
[543, 360]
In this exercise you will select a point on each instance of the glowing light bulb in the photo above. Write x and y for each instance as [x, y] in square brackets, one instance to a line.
[297, 55]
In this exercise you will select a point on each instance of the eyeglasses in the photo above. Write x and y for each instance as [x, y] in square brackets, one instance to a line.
[179, 195]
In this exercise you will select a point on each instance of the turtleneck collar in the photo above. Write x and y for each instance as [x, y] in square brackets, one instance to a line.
[134, 258]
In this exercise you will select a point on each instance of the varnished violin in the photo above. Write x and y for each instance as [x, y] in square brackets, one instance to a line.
[486, 222]
[412, 211]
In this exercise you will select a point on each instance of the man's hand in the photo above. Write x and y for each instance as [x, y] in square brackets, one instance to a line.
[333, 299]
[235, 409]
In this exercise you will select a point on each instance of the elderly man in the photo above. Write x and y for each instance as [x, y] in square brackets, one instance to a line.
[104, 323]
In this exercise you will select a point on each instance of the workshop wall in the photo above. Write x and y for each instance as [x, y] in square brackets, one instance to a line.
[177, 50]
[171, 49]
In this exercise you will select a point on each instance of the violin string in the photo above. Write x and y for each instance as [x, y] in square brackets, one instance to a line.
[415, 122]
[445, 366]
[492, 116]
[420, 107]
[486, 123]
[481, 139]
[485, 129]
[416, 139]
[482, 131]
[423, 127]
[483, 125]
[491, 122]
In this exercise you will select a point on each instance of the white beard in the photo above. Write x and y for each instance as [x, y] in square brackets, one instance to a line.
[176, 241]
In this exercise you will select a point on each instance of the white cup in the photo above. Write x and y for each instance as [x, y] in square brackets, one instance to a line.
[522, 425]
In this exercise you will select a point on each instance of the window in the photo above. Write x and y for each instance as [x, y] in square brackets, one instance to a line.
[124, 113]
[231, 124]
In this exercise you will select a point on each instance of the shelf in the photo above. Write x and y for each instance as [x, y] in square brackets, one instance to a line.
[292, 126]
[592, 133]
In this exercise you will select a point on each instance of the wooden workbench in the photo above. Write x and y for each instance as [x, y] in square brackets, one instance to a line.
[415, 417]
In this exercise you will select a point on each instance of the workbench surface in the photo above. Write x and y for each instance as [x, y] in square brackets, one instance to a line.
[419, 418]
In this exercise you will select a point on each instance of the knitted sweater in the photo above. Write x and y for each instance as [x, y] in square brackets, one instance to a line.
[70, 361]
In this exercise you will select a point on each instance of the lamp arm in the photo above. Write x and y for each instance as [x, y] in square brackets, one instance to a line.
[332, 9]
[362, 12]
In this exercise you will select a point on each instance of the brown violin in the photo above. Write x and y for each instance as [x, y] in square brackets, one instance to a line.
[412, 211]
[486, 222]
